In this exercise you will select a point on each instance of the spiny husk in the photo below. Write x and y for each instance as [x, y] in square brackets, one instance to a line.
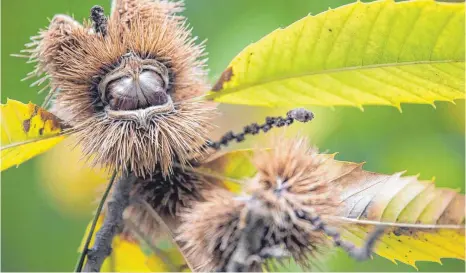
[72, 58]
[299, 171]
[288, 187]
[126, 10]
[209, 230]
[125, 144]
[168, 195]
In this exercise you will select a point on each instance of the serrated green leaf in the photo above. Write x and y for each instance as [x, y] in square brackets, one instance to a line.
[379, 53]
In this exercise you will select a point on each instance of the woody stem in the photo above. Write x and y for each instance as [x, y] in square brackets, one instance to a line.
[298, 114]
[112, 224]
[80, 262]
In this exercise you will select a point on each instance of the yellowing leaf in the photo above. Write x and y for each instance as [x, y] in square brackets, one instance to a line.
[126, 256]
[231, 167]
[27, 131]
[426, 223]
[143, 223]
[379, 53]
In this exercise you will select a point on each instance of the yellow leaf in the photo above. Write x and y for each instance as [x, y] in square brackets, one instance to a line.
[426, 223]
[27, 130]
[378, 53]
[126, 256]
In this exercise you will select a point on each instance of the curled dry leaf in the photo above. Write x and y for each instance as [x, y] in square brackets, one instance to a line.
[426, 223]
[27, 130]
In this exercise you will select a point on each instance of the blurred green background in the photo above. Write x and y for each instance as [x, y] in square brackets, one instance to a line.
[44, 209]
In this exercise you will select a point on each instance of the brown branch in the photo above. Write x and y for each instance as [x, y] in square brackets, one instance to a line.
[112, 224]
[249, 255]
[80, 262]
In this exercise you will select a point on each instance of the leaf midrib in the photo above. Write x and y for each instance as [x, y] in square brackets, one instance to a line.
[28, 141]
[395, 224]
[327, 71]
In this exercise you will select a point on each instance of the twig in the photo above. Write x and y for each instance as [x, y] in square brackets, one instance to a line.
[99, 20]
[360, 254]
[250, 253]
[298, 114]
[249, 245]
[79, 264]
[112, 224]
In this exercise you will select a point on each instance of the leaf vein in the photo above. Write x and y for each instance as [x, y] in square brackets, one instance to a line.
[371, 29]
[410, 33]
[442, 30]
[335, 40]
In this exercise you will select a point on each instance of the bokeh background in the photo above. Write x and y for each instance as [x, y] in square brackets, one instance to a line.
[47, 202]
